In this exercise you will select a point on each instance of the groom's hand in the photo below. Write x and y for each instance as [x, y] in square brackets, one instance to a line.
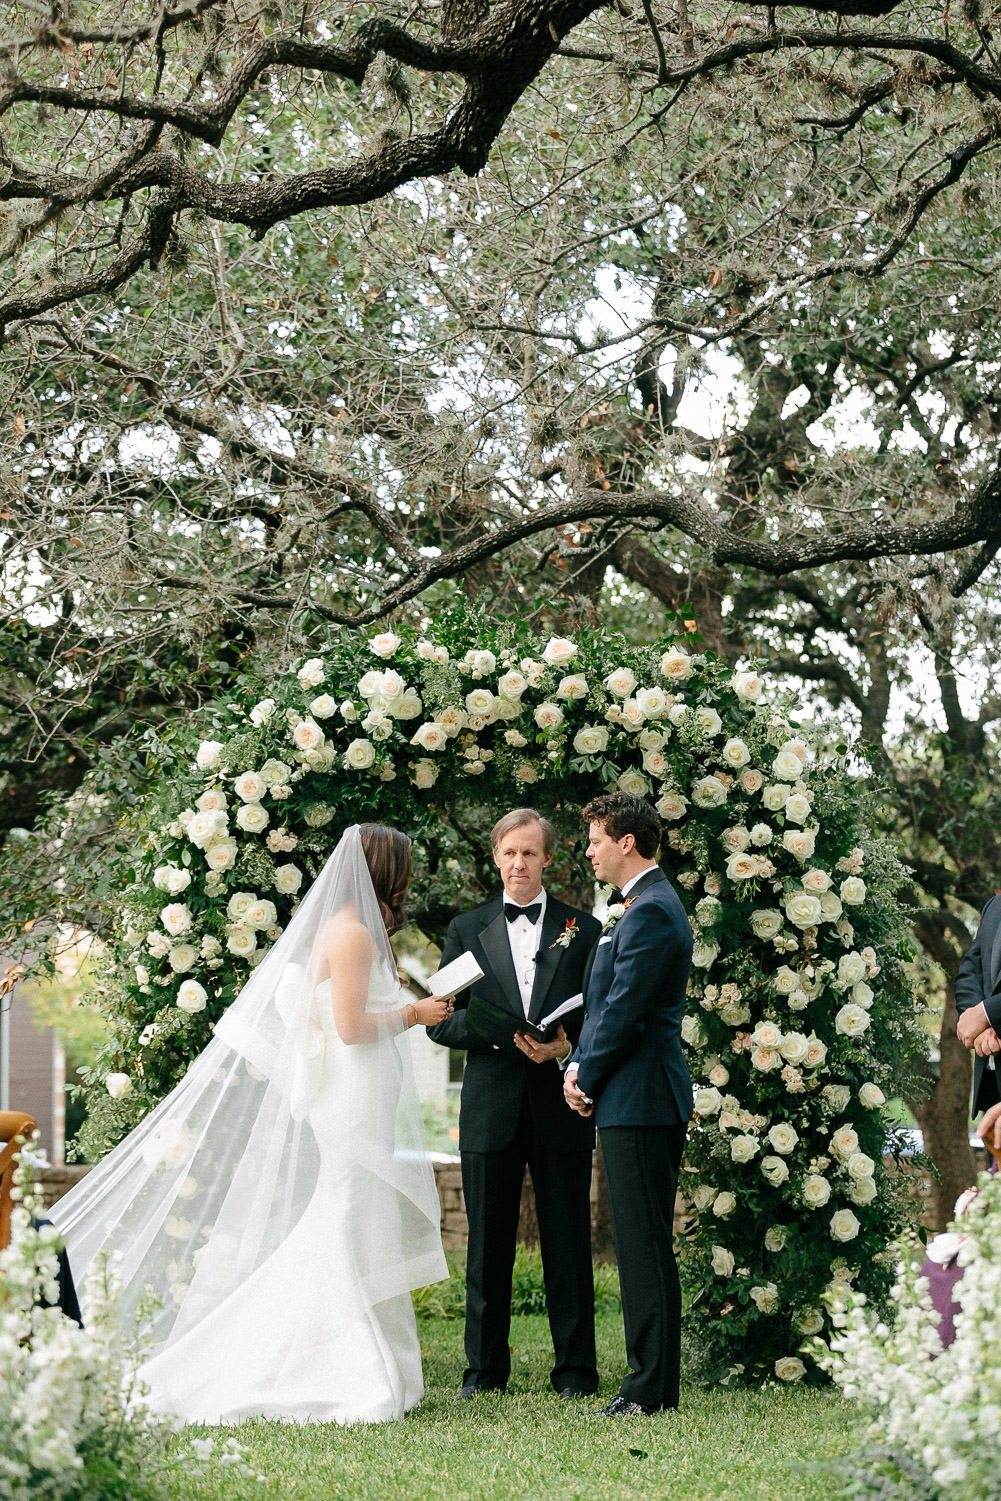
[987, 1042]
[971, 1024]
[541, 1052]
[575, 1097]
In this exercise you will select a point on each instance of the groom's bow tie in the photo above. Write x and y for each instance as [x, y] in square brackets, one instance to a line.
[615, 895]
[531, 912]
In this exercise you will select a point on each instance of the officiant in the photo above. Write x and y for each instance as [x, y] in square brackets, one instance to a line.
[533, 950]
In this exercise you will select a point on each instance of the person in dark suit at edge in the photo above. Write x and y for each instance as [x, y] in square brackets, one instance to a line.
[978, 1001]
[628, 1071]
[533, 951]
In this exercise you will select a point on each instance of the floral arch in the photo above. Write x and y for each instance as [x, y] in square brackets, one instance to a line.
[800, 1019]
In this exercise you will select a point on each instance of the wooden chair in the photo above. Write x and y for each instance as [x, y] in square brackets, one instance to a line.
[15, 1129]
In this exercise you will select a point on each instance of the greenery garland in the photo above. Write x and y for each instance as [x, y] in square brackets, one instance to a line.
[801, 1021]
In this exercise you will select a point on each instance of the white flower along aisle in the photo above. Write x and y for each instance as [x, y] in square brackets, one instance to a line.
[800, 1022]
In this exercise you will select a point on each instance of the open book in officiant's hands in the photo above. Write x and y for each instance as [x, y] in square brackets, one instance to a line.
[497, 1025]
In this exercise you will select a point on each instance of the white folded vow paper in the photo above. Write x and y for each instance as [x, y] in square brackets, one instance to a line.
[456, 976]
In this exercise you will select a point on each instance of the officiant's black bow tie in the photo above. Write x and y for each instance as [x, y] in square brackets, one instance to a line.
[531, 912]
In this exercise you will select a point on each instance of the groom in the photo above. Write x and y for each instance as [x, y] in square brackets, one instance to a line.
[533, 951]
[628, 1070]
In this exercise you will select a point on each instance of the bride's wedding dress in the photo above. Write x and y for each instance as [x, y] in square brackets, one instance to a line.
[281, 1206]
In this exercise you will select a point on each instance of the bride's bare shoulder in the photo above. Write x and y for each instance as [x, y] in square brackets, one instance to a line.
[343, 931]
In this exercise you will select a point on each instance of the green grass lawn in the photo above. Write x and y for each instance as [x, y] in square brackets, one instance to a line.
[742, 1445]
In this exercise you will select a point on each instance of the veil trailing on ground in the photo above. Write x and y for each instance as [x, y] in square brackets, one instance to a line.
[216, 1178]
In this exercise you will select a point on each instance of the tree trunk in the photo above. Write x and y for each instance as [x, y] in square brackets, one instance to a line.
[944, 1120]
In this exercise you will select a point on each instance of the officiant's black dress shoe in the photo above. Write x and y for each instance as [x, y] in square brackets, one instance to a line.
[470, 1390]
[621, 1407]
[572, 1393]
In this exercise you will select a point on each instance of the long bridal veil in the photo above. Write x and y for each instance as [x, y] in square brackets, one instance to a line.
[219, 1174]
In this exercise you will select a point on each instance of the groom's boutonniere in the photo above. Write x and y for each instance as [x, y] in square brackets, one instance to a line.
[615, 911]
[568, 935]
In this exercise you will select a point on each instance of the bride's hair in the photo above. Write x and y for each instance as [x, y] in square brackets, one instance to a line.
[387, 855]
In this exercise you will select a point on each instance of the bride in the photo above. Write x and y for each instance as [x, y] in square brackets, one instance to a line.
[279, 1204]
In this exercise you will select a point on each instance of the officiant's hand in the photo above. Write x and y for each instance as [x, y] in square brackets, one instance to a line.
[541, 1052]
[971, 1024]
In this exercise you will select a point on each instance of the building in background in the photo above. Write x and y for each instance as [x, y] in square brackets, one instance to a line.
[32, 1067]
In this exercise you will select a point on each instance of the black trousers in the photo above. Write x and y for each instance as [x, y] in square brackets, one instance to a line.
[641, 1169]
[491, 1184]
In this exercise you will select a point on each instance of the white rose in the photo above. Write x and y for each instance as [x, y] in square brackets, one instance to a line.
[783, 1137]
[786, 980]
[747, 686]
[191, 997]
[766, 1298]
[360, 755]
[815, 881]
[221, 854]
[241, 941]
[548, 716]
[766, 922]
[851, 968]
[774, 797]
[252, 818]
[708, 720]
[830, 905]
[724, 1204]
[852, 1020]
[704, 955]
[802, 909]
[817, 1053]
[735, 753]
[287, 879]
[261, 712]
[808, 1320]
[722, 1261]
[656, 763]
[558, 650]
[853, 891]
[172, 879]
[794, 1048]
[370, 685]
[774, 1171]
[652, 703]
[787, 766]
[384, 644]
[348, 712]
[591, 740]
[871, 1096]
[790, 1368]
[676, 665]
[308, 735]
[735, 1014]
[203, 828]
[480, 701]
[691, 1027]
[707, 1101]
[207, 755]
[672, 806]
[481, 663]
[703, 1196]
[238, 904]
[708, 792]
[837, 1096]
[323, 706]
[621, 682]
[275, 772]
[862, 995]
[260, 914]
[118, 1085]
[182, 956]
[176, 918]
[844, 1225]
[801, 843]
[408, 705]
[862, 1192]
[572, 687]
[743, 1148]
[816, 1191]
[859, 1166]
[430, 737]
[775, 1235]
[312, 673]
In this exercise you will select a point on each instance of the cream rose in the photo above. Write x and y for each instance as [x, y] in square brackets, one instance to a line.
[801, 843]
[852, 891]
[747, 686]
[790, 1368]
[591, 740]
[621, 682]
[774, 1171]
[735, 753]
[182, 957]
[430, 737]
[816, 1191]
[241, 941]
[766, 1035]
[676, 665]
[384, 644]
[307, 735]
[252, 818]
[844, 1142]
[722, 1261]
[787, 766]
[572, 687]
[512, 685]
[783, 1137]
[287, 879]
[802, 909]
[707, 1102]
[852, 1020]
[766, 923]
[559, 650]
[724, 1204]
[548, 716]
[871, 1097]
[815, 881]
[743, 1148]
[766, 1059]
[672, 806]
[844, 1225]
[742, 867]
[634, 783]
[213, 800]
[751, 780]
[425, 774]
[735, 840]
[708, 792]
[260, 914]
[176, 918]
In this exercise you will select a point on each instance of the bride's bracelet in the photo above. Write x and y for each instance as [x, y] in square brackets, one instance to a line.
[408, 1008]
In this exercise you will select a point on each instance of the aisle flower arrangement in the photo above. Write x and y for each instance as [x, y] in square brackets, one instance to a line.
[800, 1021]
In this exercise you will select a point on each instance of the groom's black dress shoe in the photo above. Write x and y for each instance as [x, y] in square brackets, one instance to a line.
[571, 1393]
[466, 1393]
[621, 1407]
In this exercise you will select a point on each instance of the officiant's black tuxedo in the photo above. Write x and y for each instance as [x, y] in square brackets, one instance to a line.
[978, 981]
[631, 1064]
[512, 1115]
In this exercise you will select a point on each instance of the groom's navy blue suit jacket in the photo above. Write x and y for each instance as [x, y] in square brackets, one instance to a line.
[978, 981]
[629, 1053]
